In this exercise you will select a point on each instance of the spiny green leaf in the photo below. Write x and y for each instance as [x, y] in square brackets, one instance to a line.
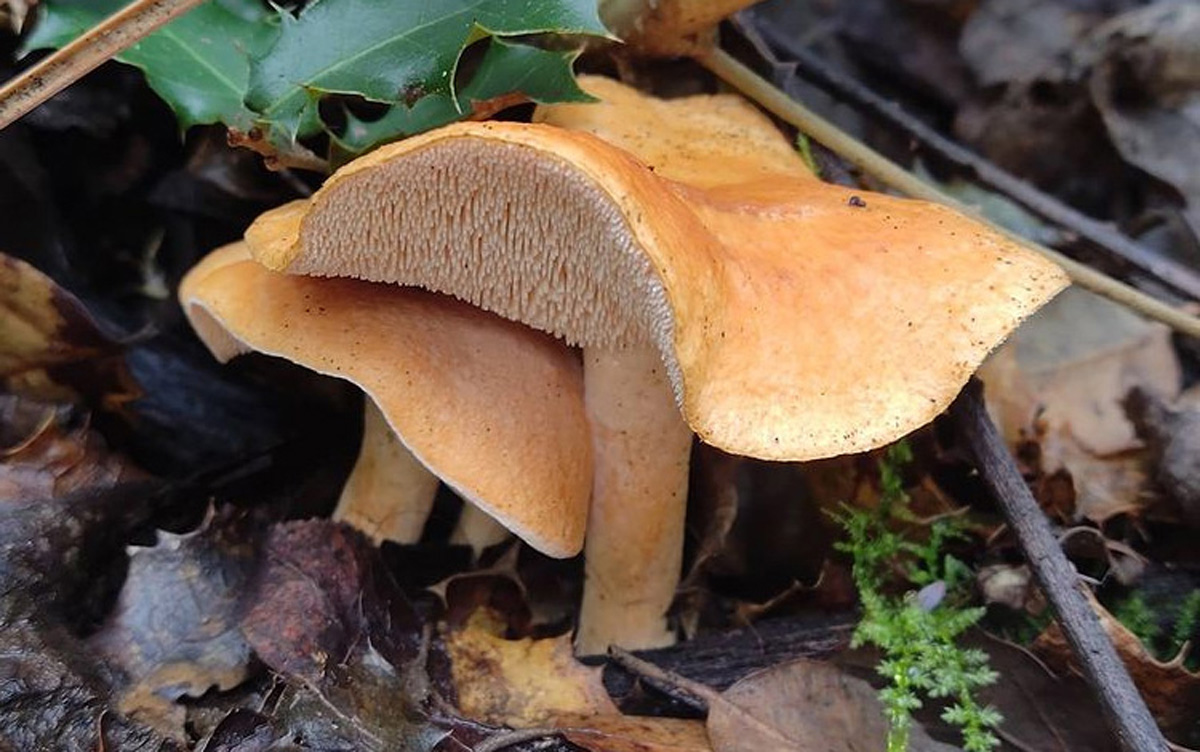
[506, 68]
[388, 51]
[199, 64]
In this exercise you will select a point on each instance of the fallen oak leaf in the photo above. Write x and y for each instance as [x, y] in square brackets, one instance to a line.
[532, 683]
[1171, 691]
[521, 683]
[804, 704]
[1065, 372]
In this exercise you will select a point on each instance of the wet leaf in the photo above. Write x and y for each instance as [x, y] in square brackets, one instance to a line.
[175, 631]
[330, 621]
[65, 504]
[321, 592]
[521, 682]
[363, 703]
[240, 731]
[803, 705]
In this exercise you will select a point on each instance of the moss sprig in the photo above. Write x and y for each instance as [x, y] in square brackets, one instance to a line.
[917, 629]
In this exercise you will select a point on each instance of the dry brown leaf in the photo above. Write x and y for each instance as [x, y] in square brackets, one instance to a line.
[42, 324]
[1018, 41]
[521, 683]
[53, 461]
[525, 683]
[44, 332]
[1172, 432]
[14, 12]
[1171, 691]
[1145, 82]
[803, 705]
[628, 733]
[1066, 370]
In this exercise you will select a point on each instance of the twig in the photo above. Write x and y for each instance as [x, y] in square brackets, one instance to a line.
[1126, 713]
[681, 688]
[505, 739]
[1115, 245]
[115, 34]
[758, 89]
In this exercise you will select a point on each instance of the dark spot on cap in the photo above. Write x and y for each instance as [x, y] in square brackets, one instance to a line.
[857, 202]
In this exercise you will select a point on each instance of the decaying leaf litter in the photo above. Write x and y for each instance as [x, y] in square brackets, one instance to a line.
[358, 667]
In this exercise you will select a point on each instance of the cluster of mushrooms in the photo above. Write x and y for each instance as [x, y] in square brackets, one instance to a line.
[542, 315]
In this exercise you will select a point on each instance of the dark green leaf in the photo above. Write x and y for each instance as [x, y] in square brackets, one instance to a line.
[395, 53]
[199, 64]
[506, 68]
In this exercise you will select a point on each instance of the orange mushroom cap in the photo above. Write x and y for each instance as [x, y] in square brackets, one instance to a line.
[493, 408]
[668, 27]
[796, 319]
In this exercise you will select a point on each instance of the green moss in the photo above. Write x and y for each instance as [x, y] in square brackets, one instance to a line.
[1149, 621]
[917, 630]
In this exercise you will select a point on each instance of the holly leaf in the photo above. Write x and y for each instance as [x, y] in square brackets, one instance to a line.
[199, 64]
[398, 53]
[264, 72]
[509, 73]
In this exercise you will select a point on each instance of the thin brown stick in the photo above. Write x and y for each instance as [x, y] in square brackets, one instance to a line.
[1125, 711]
[1115, 245]
[891, 174]
[116, 33]
[505, 739]
[685, 690]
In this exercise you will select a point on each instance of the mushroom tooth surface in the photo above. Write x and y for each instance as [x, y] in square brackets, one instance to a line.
[796, 319]
[491, 407]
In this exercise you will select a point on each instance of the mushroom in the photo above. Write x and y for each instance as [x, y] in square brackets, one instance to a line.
[667, 27]
[491, 407]
[714, 285]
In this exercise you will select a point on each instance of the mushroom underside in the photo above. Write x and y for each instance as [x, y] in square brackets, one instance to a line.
[768, 314]
[493, 408]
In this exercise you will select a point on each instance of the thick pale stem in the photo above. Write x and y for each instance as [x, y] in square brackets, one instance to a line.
[477, 529]
[389, 493]
[634, 542]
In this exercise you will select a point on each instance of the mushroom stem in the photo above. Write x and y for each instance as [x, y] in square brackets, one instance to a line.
[634, 545]
[477, 529]
[389, 493]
